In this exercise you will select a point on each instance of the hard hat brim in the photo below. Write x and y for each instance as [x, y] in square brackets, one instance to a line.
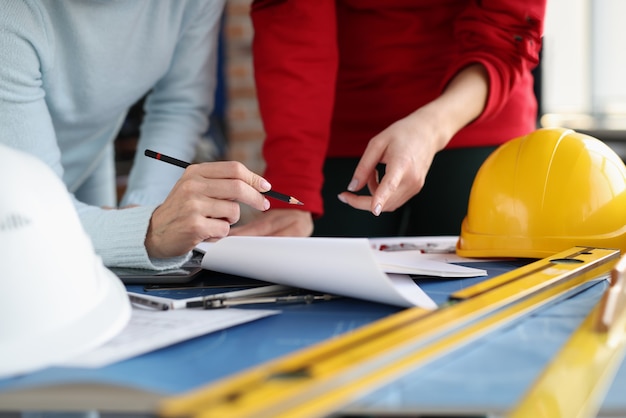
[108, 317]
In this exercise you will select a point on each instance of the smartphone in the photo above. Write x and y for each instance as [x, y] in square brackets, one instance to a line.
[184, 274]
[145, 276]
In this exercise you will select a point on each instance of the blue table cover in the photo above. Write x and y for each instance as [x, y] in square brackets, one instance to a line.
[490, 374]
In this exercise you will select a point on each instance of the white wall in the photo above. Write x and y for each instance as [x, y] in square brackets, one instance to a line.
[566, 83]
[609, 56]
[584, 63]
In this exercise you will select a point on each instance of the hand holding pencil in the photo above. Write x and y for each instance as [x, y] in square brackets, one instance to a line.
[202, 205]
[183, 164]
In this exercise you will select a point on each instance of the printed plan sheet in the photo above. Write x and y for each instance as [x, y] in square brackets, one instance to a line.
[150, 330]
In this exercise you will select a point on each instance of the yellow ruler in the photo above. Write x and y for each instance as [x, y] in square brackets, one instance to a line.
[575, 382]
[320, 379]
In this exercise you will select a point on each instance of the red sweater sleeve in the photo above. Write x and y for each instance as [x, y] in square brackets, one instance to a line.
[295, 64]
[505, 37]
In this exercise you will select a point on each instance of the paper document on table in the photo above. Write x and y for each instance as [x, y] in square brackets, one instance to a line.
[340, 266]
[436, 248]
[150, 330]
[415, 262]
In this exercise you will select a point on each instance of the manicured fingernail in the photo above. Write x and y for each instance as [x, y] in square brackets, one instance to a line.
[353, 185]
[341, 198]
[266, 204]
[377, 209]
[265, 185]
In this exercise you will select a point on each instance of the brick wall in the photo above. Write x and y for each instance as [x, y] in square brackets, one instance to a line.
[244, 127]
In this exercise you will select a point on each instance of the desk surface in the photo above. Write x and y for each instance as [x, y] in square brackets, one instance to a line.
[489, 375]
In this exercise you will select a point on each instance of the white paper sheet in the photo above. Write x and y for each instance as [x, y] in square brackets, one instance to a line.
[149, 330]
[435, 258]
[445, 244]
[415, 262]
[340, 266]
[436, 248]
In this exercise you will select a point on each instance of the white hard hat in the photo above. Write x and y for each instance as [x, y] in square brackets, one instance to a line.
[57, 299]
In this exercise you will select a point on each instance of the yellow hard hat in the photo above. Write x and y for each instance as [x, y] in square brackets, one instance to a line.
[544, 193]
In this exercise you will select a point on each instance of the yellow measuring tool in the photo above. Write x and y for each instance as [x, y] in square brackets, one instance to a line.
[575, 382]
[320, 379]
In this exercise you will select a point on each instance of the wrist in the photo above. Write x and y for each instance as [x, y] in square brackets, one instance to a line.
[463, 100]
[432, 120]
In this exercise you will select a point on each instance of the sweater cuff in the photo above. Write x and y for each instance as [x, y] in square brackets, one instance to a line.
[119, 237]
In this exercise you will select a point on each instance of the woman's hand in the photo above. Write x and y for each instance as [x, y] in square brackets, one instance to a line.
[407, 149]
[202, 205]
[408, 146]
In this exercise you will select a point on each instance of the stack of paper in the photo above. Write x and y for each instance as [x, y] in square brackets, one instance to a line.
[341, 266]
